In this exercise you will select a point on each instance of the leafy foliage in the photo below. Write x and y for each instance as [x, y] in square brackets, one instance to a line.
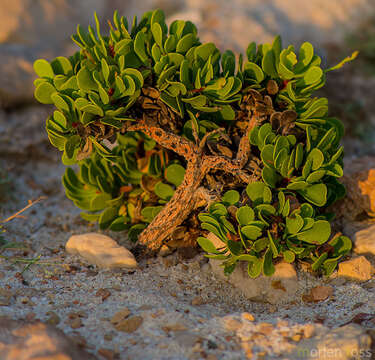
[137, 108]
[151, 179]
[263, 227]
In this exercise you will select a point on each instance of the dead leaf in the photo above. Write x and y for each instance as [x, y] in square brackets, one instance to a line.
[104, 293]
[318, 293]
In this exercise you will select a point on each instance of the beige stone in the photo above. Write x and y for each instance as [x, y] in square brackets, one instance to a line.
[281, 287]
[358, 269]
[129, 325]
[101, 250]
[20, 340]
[364, 241]
[120, 316]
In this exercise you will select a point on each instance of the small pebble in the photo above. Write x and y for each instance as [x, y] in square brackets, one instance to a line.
[198, 300]
[129, 325]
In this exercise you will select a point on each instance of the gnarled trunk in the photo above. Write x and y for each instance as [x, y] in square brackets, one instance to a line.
[177, 209]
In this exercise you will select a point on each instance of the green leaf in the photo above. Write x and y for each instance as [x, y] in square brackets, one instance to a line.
[307, 211]
[297, 185]
[207, 245]
[268, 64]
[306, 53]
[342, 245]
[62, 65]
[43, 93]
[251, 232]
[43, 68]
[139, 46]
[119, 224]
[319, 261]
[170, 44]
[273, 245]
[93, 109]
[85, 80]
[270, 177]
[244, 215]
[218, 209]
[253, 71]
[99, 202]
[254, 268]
[259, 193]
[215, 230]
[175, 174]
[268, 267]
[316, 194]
[294, 224]
[318, 234]
[313, 75]
[185, 43]
[71, 145]
[107, 217]
[135, 230]
[234, 247]
[265, 209]
[157, 33]
[289, 256]
[315, 176]
[164, 191]
[329, 266]
[317, 158]
[231, 197]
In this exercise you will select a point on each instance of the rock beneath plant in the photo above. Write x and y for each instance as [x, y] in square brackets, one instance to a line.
[218, 243]
[359, 179]
[345, 342]
[281, 287]
[101, 250]
[357, 269]
[364, 241]
[21, 340]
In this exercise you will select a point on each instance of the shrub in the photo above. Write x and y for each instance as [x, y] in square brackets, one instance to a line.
[162, 125]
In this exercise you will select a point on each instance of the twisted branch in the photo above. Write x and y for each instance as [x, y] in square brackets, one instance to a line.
[243, 152]
[189, 195]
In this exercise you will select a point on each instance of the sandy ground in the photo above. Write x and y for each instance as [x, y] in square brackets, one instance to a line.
[161, 291]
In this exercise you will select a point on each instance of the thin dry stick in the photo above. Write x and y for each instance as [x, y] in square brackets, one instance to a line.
[31, 203]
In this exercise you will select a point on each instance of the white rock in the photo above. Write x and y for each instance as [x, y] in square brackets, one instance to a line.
[101, 250]
[281, 287]
[364, 241]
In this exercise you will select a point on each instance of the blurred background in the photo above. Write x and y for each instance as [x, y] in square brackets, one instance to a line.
[32, 29]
